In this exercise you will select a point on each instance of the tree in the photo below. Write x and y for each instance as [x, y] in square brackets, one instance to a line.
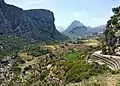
[116, 10]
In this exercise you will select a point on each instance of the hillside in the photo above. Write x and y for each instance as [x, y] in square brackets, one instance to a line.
[10, 45]
[112, 34]
[55, 65]
[32, 25]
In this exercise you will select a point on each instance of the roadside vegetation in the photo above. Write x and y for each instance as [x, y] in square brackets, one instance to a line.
[77, 69]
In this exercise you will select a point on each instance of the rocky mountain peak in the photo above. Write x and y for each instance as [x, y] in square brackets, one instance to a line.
[76, 29]
[76, 23]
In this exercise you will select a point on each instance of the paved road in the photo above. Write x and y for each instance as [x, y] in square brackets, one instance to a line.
[113, 62]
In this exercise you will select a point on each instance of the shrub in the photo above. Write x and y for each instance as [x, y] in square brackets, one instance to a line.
[17, 69]
[43, 75]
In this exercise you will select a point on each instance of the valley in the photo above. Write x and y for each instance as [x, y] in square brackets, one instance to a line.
[34, 53]
[61, 64]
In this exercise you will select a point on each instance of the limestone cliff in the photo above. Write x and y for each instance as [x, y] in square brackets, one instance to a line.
[33, 25]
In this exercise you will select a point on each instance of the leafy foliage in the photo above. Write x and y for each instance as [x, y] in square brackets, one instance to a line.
[11, 45]
[116, 10]
[112, 26]
[35, 50]
[77, 69]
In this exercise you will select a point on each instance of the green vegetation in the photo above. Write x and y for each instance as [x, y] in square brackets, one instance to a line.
[11, 45]
[77, 69]
[74, 55]
[17, 69]
[118, 83]
[116, 10]
[43, 75]
[35, 50]
[113, 25]
[78, 72]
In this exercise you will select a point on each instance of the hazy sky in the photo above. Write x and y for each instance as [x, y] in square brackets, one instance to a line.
[89, 12]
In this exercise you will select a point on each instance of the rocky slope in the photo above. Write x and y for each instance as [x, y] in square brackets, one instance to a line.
[37, 24]
[6, 72]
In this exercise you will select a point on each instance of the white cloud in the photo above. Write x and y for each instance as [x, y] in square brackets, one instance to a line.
[98, 21]
[33, 4]
[30, 2]
[60, 28]
[25, 2]
[76, 15]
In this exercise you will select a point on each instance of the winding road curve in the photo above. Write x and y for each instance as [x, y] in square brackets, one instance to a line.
[113, 62]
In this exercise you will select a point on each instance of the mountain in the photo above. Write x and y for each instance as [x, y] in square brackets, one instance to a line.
[32, 25]
[98, 29]
[77, 29]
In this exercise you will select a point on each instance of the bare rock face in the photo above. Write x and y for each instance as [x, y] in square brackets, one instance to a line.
[2, 2]
[33, 25]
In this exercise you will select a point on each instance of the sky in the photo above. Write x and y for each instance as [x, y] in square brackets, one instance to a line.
[89, 12]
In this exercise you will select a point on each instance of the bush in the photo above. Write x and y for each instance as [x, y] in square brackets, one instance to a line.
[43, 75]
[76, 69]
[81, 70]
[36, 51]
[17, 69]
[66, 44]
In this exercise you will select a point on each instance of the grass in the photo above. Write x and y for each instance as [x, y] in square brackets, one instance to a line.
[74, 55]
[91, 42]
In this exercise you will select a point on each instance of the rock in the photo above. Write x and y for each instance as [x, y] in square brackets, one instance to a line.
[33, 25]
[5, 70]
[49, 66]
[117, 33]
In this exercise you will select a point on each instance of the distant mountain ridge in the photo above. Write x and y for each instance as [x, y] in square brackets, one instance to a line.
[98, 29]
[77, 29]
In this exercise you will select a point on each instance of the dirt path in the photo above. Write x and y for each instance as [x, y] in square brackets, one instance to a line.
[111, 80]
